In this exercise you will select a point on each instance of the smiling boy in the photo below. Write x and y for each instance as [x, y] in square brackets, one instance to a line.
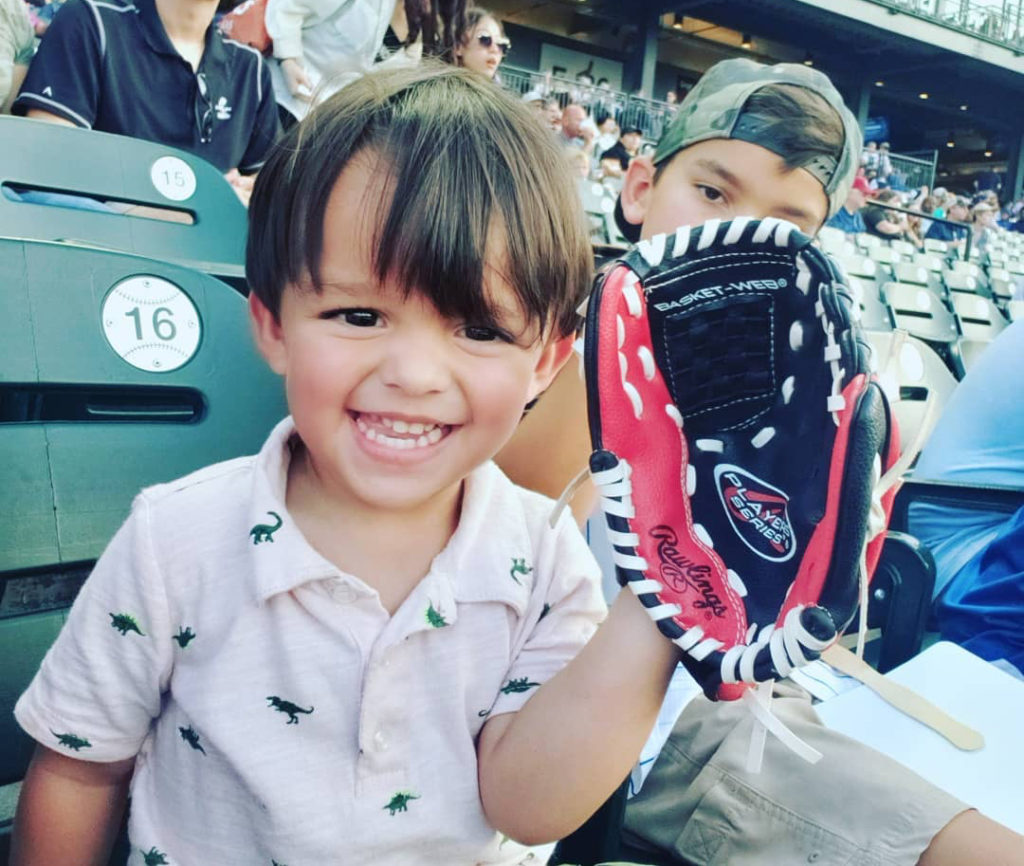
[389, 660]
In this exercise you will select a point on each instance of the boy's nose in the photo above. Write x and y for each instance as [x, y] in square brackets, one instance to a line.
[416, 364]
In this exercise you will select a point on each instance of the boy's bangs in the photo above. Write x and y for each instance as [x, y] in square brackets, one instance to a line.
[474, 192]
[437, 231]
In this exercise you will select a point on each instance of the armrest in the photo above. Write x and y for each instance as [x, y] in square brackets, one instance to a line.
[976, 496]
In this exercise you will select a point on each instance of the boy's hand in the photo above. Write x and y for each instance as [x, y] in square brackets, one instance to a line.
[296, 80]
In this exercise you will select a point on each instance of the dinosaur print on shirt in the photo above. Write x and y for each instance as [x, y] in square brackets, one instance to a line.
[400, 802]
[72, 741]
[519, 566]
[265, 531]
[288, 707]
[185, 636]
[125, 623]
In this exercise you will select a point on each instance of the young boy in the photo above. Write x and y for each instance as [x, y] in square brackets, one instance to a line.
[760, 141]
[363, 645]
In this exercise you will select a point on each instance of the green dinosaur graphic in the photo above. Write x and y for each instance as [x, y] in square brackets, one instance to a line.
[400, 802]
[546, 610]
[185, 636]
[435, 618]
[124, 623]
[152, 857]
[190, 736]
[288, 707]
[265, 531]
[519, 566]
[72, 741]
[515, 686]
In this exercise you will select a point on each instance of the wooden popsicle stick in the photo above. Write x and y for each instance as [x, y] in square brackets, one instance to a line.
[904, 699]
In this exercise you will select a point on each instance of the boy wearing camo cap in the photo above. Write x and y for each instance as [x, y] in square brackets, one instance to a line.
[755, 140]
[759, 141]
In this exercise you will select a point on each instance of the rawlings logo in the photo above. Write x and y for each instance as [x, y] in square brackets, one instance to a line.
[758, 513]
[683, 574]
[710, 292]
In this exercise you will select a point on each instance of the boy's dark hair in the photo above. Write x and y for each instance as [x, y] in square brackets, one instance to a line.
[466, 162]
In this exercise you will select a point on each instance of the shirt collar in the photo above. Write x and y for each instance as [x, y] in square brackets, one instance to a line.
[156, 37]
[281, 557]
[489, 558]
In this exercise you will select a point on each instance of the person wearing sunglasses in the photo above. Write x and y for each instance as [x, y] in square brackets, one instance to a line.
[483, 44]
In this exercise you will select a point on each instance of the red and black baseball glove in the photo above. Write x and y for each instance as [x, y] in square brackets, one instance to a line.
[738, 439]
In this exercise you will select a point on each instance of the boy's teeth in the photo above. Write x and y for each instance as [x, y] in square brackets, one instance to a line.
[427, 434]
[400, 426]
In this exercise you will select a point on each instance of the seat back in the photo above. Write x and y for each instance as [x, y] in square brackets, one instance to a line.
[116, 372]
[910, 379]
[980, 319]
[908, 272]
[874, 314]
[105, 167]
[921, 313]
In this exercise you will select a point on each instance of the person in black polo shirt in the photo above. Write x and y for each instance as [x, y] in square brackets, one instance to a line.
[157, 70]
[615, 160]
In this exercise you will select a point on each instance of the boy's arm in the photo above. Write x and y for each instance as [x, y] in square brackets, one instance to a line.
[69, 811]
[545, 769]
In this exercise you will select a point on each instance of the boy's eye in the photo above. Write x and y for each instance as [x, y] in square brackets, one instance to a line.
[357, 318]
[482, 333]
[709, 192]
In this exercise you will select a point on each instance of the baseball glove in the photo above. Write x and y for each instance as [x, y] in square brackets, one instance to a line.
[738, 440]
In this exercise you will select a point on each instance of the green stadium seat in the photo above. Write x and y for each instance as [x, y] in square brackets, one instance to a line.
[54, 158]
[116, 372]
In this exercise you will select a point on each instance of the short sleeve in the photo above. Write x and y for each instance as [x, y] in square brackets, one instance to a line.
[567, 606]
[265, 129]
[64, 76]
[101, 683]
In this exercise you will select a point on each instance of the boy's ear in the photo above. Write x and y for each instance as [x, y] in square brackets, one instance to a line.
[266, 331]
[636, 189]
[556, 352]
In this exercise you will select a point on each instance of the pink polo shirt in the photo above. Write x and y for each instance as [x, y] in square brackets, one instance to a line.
[278, 712]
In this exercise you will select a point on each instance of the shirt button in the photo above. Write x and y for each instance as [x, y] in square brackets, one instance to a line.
[380, 742]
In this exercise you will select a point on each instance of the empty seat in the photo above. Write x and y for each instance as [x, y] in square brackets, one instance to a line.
[921, 313]
[115, 168]
[931, 245]
[907, 272]
[980, 319]
[871, 311]
[1015, 310]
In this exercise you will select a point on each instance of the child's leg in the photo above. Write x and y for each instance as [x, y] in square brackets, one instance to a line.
[699, 805]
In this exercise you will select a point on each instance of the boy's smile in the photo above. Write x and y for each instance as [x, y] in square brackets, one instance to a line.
[721, 179]
[394, 403]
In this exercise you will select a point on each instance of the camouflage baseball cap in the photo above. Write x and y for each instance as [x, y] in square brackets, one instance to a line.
[714, 109]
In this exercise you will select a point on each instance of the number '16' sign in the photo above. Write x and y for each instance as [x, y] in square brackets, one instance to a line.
[151, 323]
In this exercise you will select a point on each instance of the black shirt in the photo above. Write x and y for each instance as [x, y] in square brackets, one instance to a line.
[110, 66]
[618, 151]
[873, 216]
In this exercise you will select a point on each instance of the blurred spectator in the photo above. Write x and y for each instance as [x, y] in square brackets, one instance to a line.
[885, 171]
[886, 223]
[848, 218]
[869, 156]
[41, 12]
[983, 219]
[672, 98]
[536, 100]
[576, 131]
[16, 46]
[579, 162]
[322, 45]
[164, 74]
[482, 45]
[553, 114]
[607, 134]
[615, 160]
[955, 236]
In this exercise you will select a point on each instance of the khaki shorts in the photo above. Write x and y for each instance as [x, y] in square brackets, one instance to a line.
[855, 807]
